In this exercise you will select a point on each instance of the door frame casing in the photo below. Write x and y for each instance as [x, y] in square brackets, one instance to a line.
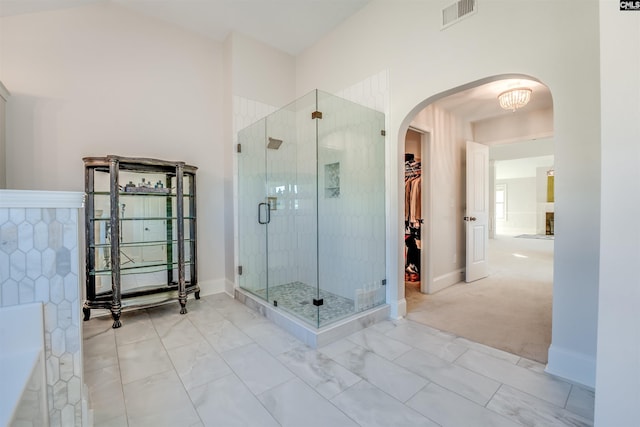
[426, 235]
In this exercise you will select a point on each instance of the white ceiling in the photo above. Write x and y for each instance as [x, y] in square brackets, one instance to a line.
[481, 102]
[289, 25]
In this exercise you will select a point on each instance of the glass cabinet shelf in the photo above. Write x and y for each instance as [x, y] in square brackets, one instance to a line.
[135, 244]
[141, 268]
[140, 232]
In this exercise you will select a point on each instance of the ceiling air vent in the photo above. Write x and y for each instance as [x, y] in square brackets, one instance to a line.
[458, 10]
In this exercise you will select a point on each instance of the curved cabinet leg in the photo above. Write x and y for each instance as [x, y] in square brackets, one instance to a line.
[197, 294]
[183, 305]
[116, 312]
[87, 313]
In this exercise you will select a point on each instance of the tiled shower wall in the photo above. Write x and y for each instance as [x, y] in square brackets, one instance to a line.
[371, 92]
[351, 240]
[39, 263]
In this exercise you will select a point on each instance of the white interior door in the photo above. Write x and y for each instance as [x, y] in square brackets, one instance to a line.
[477, 215]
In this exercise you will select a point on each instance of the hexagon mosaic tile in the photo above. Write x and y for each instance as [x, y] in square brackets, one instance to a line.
[39, 263]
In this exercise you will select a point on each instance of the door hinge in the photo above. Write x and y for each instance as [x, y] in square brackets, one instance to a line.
[384, 282]
[316, 115]
[383, 132]
[239, 148]
[240, 270]
[318, 302]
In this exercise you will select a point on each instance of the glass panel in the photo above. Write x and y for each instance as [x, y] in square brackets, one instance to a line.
[291, 195]
[311, 215]
[351, 211]
[251, 193]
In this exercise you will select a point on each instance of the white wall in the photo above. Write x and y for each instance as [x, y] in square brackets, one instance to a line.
[521, 207]
[4, 97]
[539, 149]
[425, 62]
[522, 149]
[514, 127]
[101, 79]
[526, 183]
[253, 64]
[617, 391]
[524, 167]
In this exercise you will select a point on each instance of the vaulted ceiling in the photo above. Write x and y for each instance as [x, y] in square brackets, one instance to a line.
[288, 25]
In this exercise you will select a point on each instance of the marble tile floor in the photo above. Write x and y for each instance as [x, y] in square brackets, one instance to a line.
[223, 364]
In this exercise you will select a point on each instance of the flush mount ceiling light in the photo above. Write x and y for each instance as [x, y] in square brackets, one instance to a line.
[513, 99]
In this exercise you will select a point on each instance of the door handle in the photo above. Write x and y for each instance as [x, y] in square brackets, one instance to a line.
[260, 205]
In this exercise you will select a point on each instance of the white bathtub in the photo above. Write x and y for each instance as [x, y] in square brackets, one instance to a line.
[23, 398]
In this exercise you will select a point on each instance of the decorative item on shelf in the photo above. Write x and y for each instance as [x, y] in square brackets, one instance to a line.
[514, 99]
[146, 187]
[147, 190]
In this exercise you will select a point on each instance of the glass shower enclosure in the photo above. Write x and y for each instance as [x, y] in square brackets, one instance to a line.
[311, 209]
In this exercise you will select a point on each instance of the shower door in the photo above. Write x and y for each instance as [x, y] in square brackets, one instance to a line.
[252, 236]
[277, 209]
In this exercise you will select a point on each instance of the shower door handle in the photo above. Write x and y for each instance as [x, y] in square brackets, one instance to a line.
[260, 205]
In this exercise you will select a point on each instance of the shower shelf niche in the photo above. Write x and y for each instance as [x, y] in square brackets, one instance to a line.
[332, 180]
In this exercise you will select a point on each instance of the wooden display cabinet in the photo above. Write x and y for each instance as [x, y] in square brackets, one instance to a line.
[140, 232]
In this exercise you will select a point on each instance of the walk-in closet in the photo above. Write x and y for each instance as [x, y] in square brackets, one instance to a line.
[413, 216]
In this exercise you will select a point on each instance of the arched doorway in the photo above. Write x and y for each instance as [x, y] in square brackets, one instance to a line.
[511, 308]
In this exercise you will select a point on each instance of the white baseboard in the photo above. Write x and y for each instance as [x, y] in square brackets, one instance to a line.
[570, 365]
[446, 280]
[398, 309]
[210, 287]
[230, 288]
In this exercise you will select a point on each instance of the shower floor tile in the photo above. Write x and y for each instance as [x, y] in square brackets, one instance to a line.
[297, 298]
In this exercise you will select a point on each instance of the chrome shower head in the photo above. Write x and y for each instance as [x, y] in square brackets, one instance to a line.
[273, 143]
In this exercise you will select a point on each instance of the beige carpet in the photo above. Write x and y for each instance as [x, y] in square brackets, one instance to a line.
[509, 310]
